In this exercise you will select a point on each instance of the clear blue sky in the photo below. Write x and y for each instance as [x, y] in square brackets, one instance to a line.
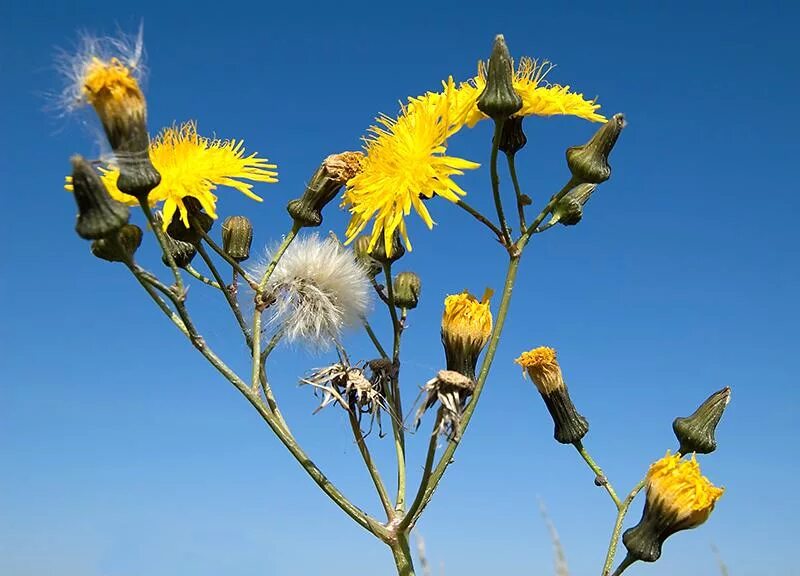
[123, 454]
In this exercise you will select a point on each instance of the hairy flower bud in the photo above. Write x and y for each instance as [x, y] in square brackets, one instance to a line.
[543, 368]
[589, 163]
[466, 327]
[407, 288]
[569, 210]
[198, 220]
[397, 250]
[119, 246]
[499, 100]
[678, 498]
[98, 214]
[332, 174]
[696, 432]
[361, 249]
[237, 236]
[512, 136]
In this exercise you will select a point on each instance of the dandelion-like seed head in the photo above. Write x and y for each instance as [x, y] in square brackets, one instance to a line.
[319, 289]
[543, 368]
[405, 162]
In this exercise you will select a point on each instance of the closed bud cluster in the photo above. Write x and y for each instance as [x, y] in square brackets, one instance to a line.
[543, 368]
[696, 432]
[466, 327]
[332, 174]
[589, 163]
[98, 214]
[119, 246]
[569, 210]
[237, 236]
[678, 498]
[407, 288]
[499, 100]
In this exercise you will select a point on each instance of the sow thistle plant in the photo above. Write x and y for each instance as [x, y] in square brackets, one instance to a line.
[308, 289]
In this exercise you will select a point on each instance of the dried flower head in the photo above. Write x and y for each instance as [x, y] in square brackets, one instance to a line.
[541, 365]
[679, 497]
[318, 290]
[452, 390]
[466, 327]
[405, 162]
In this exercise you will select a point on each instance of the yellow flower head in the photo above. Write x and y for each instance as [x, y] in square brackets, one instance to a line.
[405, 161]
[677, 489]
[542, 366]
[112, 89]
[466, 327]
[193, 166]
[538, 98]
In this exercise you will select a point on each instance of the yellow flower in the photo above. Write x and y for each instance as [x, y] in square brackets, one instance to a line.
[677, 487]
[112, 89]
[405, 161]
[543, 368]
[466, 327]
[537, 99]
[193, 166]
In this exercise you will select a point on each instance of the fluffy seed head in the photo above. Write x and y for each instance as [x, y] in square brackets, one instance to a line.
[319, 289]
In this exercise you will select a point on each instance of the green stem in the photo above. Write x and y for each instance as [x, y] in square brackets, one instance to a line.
[491, 350]
[600, 477]
[426, 474]
[512, 169]
[371, 468]
[612, 547]
[230, 298]
[402, 555]
[203, 279]
[546, 210]
[624, 565]
[237, 268]
[395, 401]
[374, 338]
[498, 202]
[480, 218]
[162, 241]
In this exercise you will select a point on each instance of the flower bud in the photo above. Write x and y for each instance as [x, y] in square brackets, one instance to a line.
[332, 174]
[499, 100]
[237, 236]
[543, 368]
[466, 327]
[113, 91]
[98, 214]
[589, 163]
[361, 249]
[696, 432]
[397, 250]
[569, 210]
[119, 246]
[407, 288]
[678, 498]
[198, 220]
[512, 136]
[182, 252]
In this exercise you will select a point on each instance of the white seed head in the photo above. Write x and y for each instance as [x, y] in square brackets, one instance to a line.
[319, 290]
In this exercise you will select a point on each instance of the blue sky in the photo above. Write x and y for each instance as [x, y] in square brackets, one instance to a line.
[124, 454]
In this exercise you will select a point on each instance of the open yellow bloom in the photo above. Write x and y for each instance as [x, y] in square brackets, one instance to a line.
[538, 98]
[193, 166]
[677, 486]
[405, 161]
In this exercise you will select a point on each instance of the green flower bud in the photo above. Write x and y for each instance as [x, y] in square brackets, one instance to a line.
[379, 251]
[512, 136]
[332, 174]
[182, 252]
[237, 236]
[589, 163]
[98, 214]
[407, 288]
[361, 249]
[499, 100]
[119, 246]
[198, 220]
[569, 210]
[696, 432]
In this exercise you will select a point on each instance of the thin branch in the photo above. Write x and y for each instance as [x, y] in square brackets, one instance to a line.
[480, 218]
[612, 547]
[600, 477]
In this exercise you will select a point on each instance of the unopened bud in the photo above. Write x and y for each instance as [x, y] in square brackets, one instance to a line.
[361, 249]
[569, 210]
[237, 236]
[512, 136]
[119, 246]
[198, 220]
[182, 252]
[407, 288]
[589, 163]
[332, 174]
[98, 214]
[499, 100]
[696, 432]
[379, 250]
